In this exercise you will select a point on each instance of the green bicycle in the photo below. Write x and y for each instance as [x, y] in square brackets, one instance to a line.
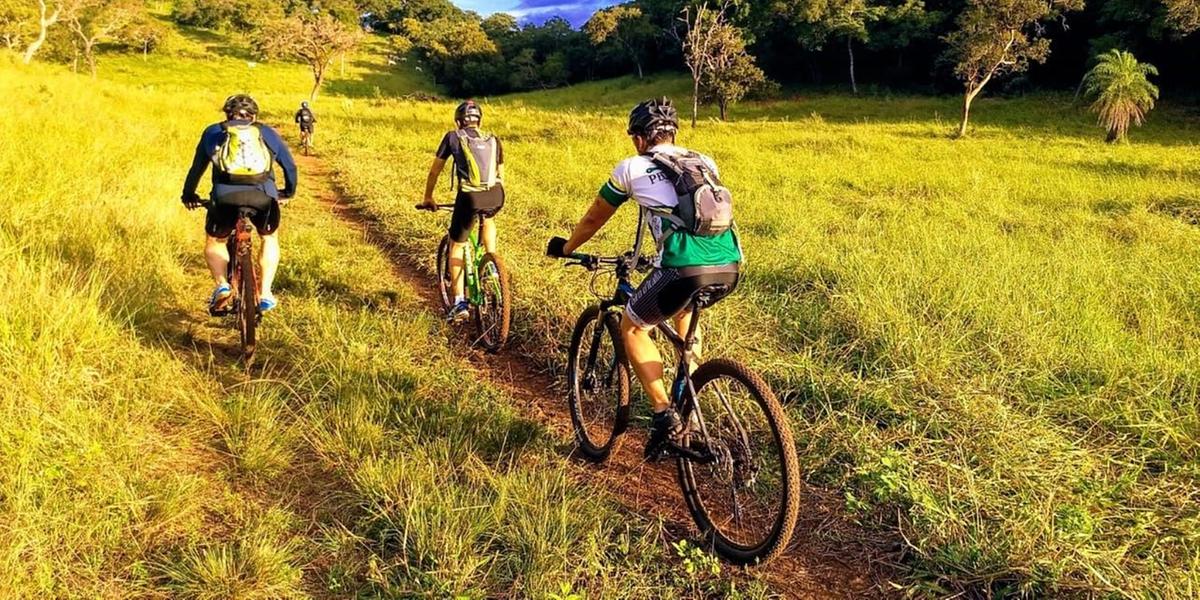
[487, 286]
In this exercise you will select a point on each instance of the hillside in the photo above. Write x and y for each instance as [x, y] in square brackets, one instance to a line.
[988, 347]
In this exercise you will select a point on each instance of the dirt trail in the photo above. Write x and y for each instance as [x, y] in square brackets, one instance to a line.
[826, 566]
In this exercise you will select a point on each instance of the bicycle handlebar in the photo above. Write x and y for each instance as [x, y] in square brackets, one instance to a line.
[591, 262]
[435, 208]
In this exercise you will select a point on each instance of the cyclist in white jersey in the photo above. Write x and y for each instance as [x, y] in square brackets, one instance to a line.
[685, 262]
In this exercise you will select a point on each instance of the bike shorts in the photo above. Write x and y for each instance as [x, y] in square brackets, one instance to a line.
[468, 205]
[307, 127]
[666, 292]
[223, 213]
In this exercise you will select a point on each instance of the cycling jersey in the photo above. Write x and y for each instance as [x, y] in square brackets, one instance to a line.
[451, 146]
[305, 124]
[210, 143]
[638, 178]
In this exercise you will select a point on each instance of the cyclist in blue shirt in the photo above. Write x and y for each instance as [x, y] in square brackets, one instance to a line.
[231, 191]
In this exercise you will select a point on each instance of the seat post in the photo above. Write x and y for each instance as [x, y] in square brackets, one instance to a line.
[693, 324]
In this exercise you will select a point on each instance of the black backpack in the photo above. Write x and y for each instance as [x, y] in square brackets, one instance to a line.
[705, 206]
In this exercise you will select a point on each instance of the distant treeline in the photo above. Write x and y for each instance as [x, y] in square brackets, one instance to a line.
[898, 44]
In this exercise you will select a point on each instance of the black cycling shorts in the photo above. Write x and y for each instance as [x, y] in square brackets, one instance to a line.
[223, 213]
[667, 291]
[307, 126]
[469, 204]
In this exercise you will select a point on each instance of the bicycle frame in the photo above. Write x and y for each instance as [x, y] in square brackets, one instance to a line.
[684, 402]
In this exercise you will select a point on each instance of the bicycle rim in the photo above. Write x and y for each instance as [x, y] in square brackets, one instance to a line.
[598, 375]
[493, 313]
[746, 501]
[445, 285]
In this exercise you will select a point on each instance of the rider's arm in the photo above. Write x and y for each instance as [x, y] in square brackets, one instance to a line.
[199, 165]
[283, 156]
[435, 171]
[600, 212]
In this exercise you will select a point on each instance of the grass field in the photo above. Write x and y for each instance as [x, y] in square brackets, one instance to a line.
[361, 459]
[988, 345]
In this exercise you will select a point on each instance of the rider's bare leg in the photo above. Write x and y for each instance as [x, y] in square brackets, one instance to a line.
[457, 251]
[268, 262]
[647, 363]
[216, 254]
[682, 320]
[489, 235]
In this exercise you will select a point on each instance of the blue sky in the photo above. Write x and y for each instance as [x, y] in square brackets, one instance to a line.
[575, 11]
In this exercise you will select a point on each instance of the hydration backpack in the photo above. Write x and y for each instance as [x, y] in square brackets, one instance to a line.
[244, 157]
[705, 206]
[306, 116]
[481, 154]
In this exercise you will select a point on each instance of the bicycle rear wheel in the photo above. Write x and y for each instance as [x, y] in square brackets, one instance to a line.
[598, 375]
[492, 316]
[247, 313]
[746, 500]
[445, 285]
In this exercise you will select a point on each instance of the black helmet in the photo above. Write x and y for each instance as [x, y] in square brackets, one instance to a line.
[652, 117]
[304, 104]
[240, 104]
[468, 112]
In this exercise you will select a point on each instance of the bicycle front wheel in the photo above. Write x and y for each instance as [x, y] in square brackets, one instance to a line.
[492, 316]
[745, 500]
[445, 284]
[599, 378]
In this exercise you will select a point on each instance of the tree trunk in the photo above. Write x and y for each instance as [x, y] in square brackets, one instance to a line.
[1114, 136]
[968, 97]
[850, 50]
[44, 23]
[695, 99]
[724, 109]
[318, 78]
[639, 68]
[89, 52]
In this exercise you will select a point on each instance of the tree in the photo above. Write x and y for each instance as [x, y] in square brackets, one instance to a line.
[314, 38]
[624, 25]
[697, 46]
[996, 37]
[733, 73]
[96, 21]
[846, 19]
[44, 22]
[1183, 15]
[1122, 91]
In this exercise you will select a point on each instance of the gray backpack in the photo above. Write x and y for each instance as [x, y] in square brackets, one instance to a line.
[705, 206]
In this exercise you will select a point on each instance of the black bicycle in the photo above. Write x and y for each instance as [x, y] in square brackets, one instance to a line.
[243, 278]
[736, 458]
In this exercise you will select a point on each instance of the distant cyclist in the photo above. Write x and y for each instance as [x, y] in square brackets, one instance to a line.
[307, 122]
[242, 152]
[687, 260]
[478, 171]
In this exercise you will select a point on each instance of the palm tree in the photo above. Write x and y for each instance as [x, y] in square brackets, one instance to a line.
[1121, 90]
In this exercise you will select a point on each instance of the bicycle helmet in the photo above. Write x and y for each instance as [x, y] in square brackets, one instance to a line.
[304, 105]
[240, 104]
[468, 113]
[652, 117]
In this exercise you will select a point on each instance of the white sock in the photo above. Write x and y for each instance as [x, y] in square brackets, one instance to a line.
[460, 299]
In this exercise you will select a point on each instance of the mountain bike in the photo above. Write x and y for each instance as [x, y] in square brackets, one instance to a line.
[486, 285]
[736, 459]
[306, 141]
[243, 278]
